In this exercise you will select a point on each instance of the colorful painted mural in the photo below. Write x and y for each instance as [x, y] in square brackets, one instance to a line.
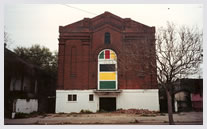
[107, 70]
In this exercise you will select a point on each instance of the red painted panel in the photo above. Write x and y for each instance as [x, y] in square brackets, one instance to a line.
[107, 54]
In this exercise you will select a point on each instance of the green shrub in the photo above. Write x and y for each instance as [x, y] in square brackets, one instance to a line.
[21, 115]
[86, 111]
[27, 115]
[148, 115]
[119, 109]
[61, 113]
[101, 111]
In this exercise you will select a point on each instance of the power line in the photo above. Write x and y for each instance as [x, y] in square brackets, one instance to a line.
[78, 9]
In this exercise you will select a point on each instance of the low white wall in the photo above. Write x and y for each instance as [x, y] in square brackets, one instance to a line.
[24, 106]
[138, 99]
[63, 105]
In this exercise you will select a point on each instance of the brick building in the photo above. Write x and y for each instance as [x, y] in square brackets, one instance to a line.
[105, 63]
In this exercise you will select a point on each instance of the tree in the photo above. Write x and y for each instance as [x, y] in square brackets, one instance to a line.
[178, 54]
[7, 40]
[40, 56]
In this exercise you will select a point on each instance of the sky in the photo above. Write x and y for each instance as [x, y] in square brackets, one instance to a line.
[28, 24]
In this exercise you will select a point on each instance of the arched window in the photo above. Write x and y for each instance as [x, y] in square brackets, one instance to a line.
[107, 70]
[107, 38]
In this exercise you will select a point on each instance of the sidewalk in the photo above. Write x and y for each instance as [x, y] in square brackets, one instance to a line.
[188, 118]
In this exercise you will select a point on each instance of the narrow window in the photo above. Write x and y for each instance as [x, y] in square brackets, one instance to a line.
[107, 38]
[91, 97]
[74, 97]
[69, 97]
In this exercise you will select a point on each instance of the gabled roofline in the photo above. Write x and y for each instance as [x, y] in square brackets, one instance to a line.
[86, 22]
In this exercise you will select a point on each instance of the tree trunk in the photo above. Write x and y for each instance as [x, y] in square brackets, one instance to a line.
[170, 109]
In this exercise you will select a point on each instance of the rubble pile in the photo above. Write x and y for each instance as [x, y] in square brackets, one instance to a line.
[136, 111]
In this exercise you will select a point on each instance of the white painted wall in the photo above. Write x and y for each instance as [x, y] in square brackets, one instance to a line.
[138, 99]
[63, 105]
[24, 106]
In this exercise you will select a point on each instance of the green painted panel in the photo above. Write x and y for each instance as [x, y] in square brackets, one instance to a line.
[101, 56]
[107, 84]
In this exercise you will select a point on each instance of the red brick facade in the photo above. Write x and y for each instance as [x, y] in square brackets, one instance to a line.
[81, 42]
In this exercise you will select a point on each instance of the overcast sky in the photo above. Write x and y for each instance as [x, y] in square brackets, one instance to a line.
[29, 24]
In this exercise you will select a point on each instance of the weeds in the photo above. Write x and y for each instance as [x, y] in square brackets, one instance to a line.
[148, 115]
[21, 115]
[27, 115]
[86, 111]
[162, 114]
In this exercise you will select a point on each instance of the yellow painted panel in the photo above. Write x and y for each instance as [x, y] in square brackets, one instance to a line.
[113, 55]
[107, 76]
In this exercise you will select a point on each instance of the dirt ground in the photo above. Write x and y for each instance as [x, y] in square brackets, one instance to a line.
[186, 118]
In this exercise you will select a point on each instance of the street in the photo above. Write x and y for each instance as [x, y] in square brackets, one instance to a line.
[185, 118]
